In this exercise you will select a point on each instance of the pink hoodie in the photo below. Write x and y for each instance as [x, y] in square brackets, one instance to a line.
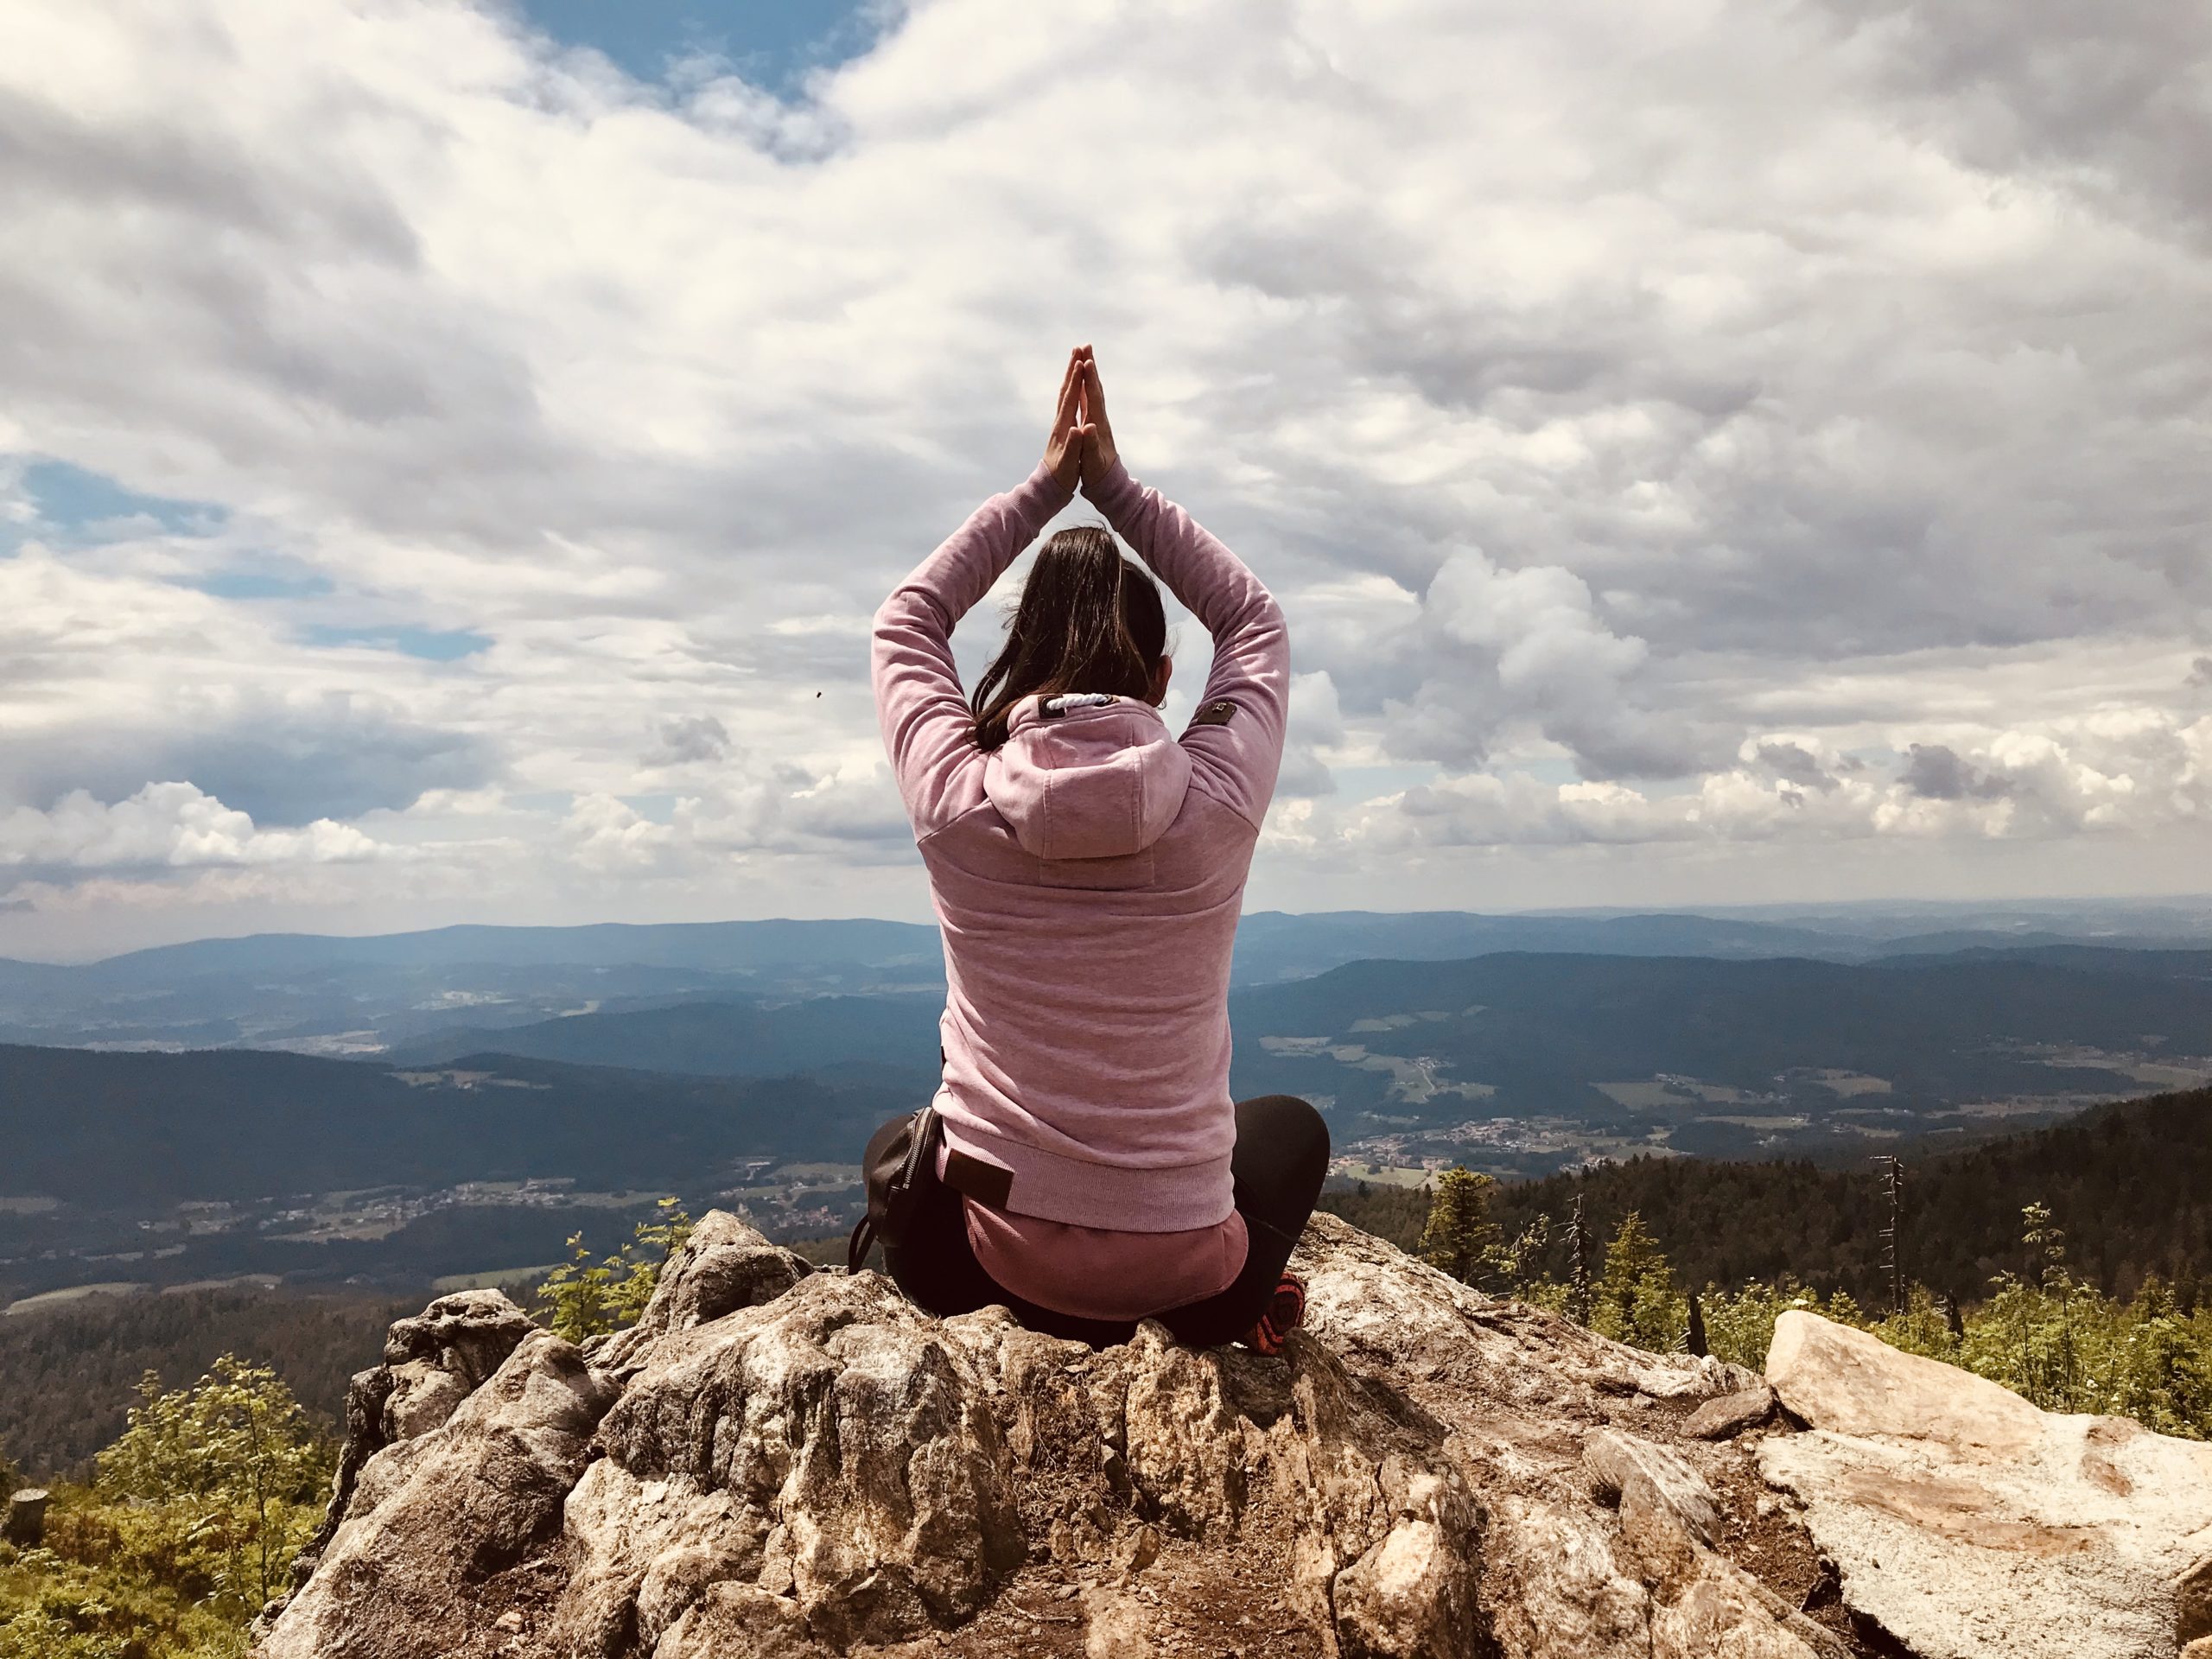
[1088, 877]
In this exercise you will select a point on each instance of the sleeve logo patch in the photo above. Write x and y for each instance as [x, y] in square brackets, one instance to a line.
[1216, 713]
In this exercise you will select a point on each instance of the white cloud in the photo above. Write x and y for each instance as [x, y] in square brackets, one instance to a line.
[2116, 772]
[172, 824]
[1316, 731]
[611, 837]
[1609, 393]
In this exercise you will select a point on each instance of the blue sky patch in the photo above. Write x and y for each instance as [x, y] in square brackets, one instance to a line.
[771, 43]
[71, 499]
[431, 645]
[543, 800]
[655, 808]
[260, 584]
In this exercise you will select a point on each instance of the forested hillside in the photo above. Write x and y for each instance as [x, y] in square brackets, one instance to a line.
[172, 1169]
[2130, 1184]
[109, 1130]
[732, 1039]
[68, 1375]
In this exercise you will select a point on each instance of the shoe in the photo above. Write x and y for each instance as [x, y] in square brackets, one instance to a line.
[1286, 1311]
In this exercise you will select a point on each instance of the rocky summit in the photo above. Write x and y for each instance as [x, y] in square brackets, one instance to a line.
[793, 1464]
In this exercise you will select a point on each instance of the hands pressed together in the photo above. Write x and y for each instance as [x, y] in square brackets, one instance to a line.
[1081, 449]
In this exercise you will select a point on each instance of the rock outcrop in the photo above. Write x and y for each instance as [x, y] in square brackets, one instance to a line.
[1967, 1524]
[794, 1464]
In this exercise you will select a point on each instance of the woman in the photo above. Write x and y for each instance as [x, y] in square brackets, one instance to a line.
[1087, 868]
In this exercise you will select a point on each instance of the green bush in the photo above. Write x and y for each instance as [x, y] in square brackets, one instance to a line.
[583, 1298]
[192, 1524]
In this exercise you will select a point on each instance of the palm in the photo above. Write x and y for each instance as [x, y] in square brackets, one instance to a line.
[1081, 445]
[1063, 447]
[1094, 430]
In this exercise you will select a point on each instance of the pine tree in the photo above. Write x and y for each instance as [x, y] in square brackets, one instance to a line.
[1581, 1300]
[1460, 1238]
[1636, 1298]
[1527, 1262]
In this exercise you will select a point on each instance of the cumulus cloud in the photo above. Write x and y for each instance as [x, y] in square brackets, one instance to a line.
[1525, 652]
[688, 738]
[1714, 421]
[611, 837]
[1936, 772]
[2141, 771]
[1317, 727]
[1808, 762]
[171, 824]
[283, 765]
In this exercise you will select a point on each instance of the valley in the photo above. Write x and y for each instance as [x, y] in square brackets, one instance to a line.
[510, 1106]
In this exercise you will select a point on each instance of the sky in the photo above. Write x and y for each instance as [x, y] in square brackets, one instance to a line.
[1708, 452]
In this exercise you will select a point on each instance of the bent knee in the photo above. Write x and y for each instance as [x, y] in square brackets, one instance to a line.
[1287, 1120]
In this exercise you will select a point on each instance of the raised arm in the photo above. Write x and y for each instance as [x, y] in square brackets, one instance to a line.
[1235, 738]
[928, 729]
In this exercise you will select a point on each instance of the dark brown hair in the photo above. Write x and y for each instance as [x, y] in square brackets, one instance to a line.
[1089, 620]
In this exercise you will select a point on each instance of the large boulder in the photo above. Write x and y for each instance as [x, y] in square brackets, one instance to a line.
[438, 1358]
[797, 1464]
[1966, 1523]
[435, 1520]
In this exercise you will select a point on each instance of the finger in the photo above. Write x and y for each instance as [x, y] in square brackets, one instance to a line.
[1071, 396]
[1093, 391]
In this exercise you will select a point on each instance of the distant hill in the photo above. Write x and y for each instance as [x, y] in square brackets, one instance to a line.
[1720, 1056]
[719, 945]
[2162, 962]
[1272, 945]
[346, 995]
[737, 1039]
[337, 996]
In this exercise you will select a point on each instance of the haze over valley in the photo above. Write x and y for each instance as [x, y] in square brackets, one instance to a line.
[402, 1108]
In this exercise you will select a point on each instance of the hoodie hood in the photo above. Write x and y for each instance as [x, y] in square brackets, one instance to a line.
[1096, 779]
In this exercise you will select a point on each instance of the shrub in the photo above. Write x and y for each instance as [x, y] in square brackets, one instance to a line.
[582, 1298]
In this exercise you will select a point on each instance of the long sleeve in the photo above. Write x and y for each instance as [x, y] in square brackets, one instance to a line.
[1235, 740]
[927, 728]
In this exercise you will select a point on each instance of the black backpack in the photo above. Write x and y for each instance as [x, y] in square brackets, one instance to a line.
[893, 1182]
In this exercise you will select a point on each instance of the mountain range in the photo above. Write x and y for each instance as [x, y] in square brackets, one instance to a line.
[314, 994]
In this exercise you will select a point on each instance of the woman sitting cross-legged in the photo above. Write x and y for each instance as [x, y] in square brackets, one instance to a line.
[1087, 867]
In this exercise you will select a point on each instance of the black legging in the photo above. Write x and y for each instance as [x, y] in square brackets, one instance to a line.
[1281, 1160]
